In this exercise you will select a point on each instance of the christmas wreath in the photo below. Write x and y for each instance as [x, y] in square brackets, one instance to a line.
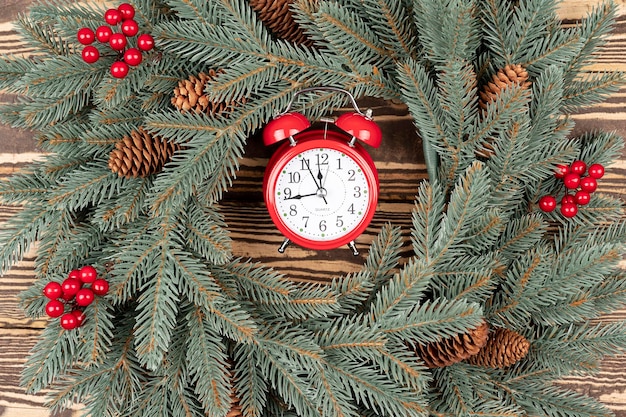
[143, 111]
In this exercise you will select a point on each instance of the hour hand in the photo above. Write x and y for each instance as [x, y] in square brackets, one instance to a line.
[299, 196]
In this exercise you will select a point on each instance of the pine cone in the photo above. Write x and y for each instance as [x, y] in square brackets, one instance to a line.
[140, 154]
[454, 349]
[189, 95]
[510, 74]
[277, 16]
[504, 348]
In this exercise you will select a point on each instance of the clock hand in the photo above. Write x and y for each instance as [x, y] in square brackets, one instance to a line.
[299, 196]
[318, 185]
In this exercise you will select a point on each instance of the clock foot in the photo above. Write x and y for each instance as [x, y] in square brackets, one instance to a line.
[284, 245]
[353, 248]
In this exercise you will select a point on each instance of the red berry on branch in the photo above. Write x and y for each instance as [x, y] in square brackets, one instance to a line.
[118, 41]
[571, 181]
[74, 273]
[85, 36]
[145, 42]
[88, 274]
[132, 57]
[561, 171]
[588, 184]
[69, 321]
[53, 290]
[578, 167]
[569, 209]
[84, 297]
[103, 33]
[547, 203]
[112, 17]
[70, 287]
[582, 198]
[100, 287]
[568, 199]
[90, 54]
[596, 171]
[119, 69]
[127, 11]
[54, 308]
[80, 317]
[130, 27]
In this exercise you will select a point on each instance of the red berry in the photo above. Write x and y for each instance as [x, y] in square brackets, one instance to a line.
[100, 287]
[70, 287]
[145, 42]
[582, 198]
[74, 273]
[571, 181]
[52, 290]
[90, 54]
[132, 56]
[112, 17]
[596, 171]
[118, 41]
[85, 36]
[568, 199]
[69, 321]
[119, 69]
[569, 209]
[130, 27]
[547, 203]
[88, 274]
[54, 308]
[80, 317]
[103, 33]
[84, 297]
[588, 184]
[578, 167]
[127, 11]
[561, 171]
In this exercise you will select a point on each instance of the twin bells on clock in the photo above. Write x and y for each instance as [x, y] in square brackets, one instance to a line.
[321, 185]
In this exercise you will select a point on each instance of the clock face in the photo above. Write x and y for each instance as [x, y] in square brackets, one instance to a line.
[322, 195]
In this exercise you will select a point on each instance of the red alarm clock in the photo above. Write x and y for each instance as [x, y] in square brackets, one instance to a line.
[321, 185]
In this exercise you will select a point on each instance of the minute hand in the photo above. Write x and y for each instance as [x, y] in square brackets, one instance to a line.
[318, 185]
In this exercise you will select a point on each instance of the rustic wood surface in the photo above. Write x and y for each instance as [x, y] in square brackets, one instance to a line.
[401, 167]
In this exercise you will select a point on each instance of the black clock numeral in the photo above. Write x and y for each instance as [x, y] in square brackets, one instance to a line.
[339, 221]
[305, 164]
[322, 159]
[323, 226]
[351, 209]
[339, 164]
[294, 178]
[306, 221]
[287, 192]
[351, 174]
[293, 210]
[357, 191]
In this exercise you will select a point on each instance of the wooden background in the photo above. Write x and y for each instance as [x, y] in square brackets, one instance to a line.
[400, 165]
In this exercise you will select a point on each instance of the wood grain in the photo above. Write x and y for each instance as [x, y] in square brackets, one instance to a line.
[401, 168]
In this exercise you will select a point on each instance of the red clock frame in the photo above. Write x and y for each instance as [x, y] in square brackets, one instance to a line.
[313, 139]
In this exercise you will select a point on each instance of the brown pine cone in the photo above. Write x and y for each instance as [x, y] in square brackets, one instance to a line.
[189, 95]
[510, 74]
[504, 348]
[140, 154]
[454, 349]
[277, 16]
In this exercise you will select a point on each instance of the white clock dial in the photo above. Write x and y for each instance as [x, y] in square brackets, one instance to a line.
[322, 194]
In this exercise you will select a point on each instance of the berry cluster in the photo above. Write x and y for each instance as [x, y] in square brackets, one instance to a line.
[574, 180]
[122, 19]
[73, 293]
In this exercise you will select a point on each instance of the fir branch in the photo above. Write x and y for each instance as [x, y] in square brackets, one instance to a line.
[206, 233]
[63, 76]
[207, 365]
[250, 385]
[592, 90]
[125, 207]
[42, 37]
[426, 219]
[383, 257]
[12, 69]
[48, 111]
